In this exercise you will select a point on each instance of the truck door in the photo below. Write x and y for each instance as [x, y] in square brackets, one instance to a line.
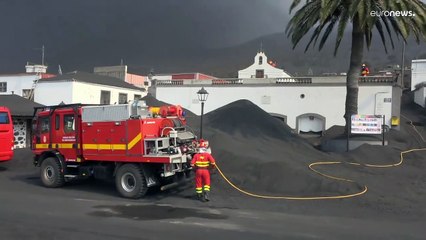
[65, 129]
[42, 133]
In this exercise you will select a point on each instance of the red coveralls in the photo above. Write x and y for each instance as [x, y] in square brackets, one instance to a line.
[202, 162]
[365, 71]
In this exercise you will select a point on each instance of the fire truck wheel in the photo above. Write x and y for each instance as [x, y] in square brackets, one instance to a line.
[130, 181]
[51, 174]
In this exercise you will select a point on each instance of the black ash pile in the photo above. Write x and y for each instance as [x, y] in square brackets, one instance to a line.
[261, 154]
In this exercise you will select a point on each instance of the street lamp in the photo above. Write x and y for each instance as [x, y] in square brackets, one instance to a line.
[202, 97]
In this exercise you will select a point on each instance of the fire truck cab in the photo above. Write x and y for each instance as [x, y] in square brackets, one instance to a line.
[137, 146]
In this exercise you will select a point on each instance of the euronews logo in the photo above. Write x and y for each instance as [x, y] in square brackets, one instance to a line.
[392, 14]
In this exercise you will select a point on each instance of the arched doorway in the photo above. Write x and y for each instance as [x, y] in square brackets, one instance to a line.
[310, 123]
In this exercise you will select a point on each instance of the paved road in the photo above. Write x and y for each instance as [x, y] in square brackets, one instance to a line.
[93, 210]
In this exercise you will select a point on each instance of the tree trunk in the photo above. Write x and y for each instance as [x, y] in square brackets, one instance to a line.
[357, 48]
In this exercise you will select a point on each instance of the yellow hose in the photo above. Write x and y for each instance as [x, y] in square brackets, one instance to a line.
[328, 176]
[292, 197]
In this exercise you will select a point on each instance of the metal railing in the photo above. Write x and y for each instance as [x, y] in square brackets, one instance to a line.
[378, 79]
[227, 81]
[275, 81]
[298, 80]
[169, 82]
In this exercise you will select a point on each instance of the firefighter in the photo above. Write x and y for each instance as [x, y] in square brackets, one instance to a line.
[364, 70]
[202, 162]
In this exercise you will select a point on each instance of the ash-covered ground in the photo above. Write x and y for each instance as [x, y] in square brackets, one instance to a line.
[262, 155]
[259, 154]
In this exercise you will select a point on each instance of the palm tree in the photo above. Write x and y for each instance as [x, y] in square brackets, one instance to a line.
[365, 15]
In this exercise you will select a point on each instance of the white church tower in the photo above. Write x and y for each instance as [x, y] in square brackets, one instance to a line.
[262, 68]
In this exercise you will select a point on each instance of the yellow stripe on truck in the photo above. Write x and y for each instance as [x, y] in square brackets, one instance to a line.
[42, 145]
[104, 146]
[118, 146]
[55, 145]
[65, 145]
[94, 146]
[134, 141]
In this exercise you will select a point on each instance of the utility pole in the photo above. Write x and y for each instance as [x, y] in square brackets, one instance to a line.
[42, 55]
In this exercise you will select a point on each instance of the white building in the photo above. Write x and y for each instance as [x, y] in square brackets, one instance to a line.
[21, 84]
[418, 81]
[305, 104]
[86, 88]
[262, 68]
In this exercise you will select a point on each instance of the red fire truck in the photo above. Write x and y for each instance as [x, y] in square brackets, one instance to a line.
[138, 146]
[6, 135]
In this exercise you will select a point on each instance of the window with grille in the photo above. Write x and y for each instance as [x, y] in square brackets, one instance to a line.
[122, 98]
[105, 97]
[3, 86]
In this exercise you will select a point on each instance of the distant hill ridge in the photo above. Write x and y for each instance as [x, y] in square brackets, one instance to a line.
[225, 62]
[222, 62]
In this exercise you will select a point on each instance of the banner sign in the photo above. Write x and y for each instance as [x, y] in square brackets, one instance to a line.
[366, 124]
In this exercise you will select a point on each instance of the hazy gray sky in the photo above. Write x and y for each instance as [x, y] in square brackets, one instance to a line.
[219, 21]
[100, 32]
[67, 25]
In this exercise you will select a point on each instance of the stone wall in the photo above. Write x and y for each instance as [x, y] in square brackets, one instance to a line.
[20, 132]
